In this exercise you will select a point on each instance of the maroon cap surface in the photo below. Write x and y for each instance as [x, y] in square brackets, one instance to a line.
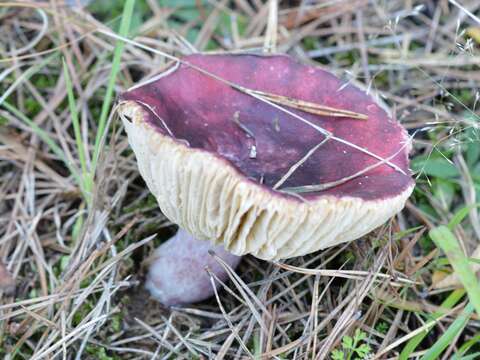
[214, 155]
[206, 113]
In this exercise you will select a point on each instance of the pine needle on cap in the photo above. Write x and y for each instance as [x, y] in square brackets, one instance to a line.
[310, 107]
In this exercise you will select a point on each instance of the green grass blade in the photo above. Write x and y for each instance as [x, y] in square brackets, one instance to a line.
[466, 346]
[448, 303]
[26, 75]
[460, 215]
[474, 356]
[76, 126]
[117, 55]
[42, 134]
[445, 240]
[448, 336]
[473, 260]
[401, 234]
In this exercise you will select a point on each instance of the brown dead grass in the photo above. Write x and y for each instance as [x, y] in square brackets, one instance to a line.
[78, 269]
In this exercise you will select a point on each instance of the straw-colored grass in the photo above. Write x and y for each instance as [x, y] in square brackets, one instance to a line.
[78, 226]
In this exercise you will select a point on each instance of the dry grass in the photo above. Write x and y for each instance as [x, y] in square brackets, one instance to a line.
[74, 245]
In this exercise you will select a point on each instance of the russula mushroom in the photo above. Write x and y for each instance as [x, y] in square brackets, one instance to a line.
[266, 172]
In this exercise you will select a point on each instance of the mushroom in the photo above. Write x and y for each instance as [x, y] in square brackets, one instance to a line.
[266, 156]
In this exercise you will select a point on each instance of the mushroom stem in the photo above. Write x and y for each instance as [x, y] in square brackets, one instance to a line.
[177, 275]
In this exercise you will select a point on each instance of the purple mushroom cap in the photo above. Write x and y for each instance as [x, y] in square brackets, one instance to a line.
[257, 144]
